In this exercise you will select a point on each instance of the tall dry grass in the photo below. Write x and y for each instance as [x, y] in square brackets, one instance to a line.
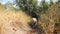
[17, 18]
[48, 19]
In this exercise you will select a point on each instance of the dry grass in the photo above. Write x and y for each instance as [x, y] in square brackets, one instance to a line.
[49, 19]
[8, 17]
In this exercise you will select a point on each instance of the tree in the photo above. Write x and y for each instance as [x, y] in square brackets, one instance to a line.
[44, 6]
[58, 0]
[26, 5]
[29, 6]
[51, 2]
[32, 8]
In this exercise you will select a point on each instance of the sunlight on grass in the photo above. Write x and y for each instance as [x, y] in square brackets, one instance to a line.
[11, 16]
